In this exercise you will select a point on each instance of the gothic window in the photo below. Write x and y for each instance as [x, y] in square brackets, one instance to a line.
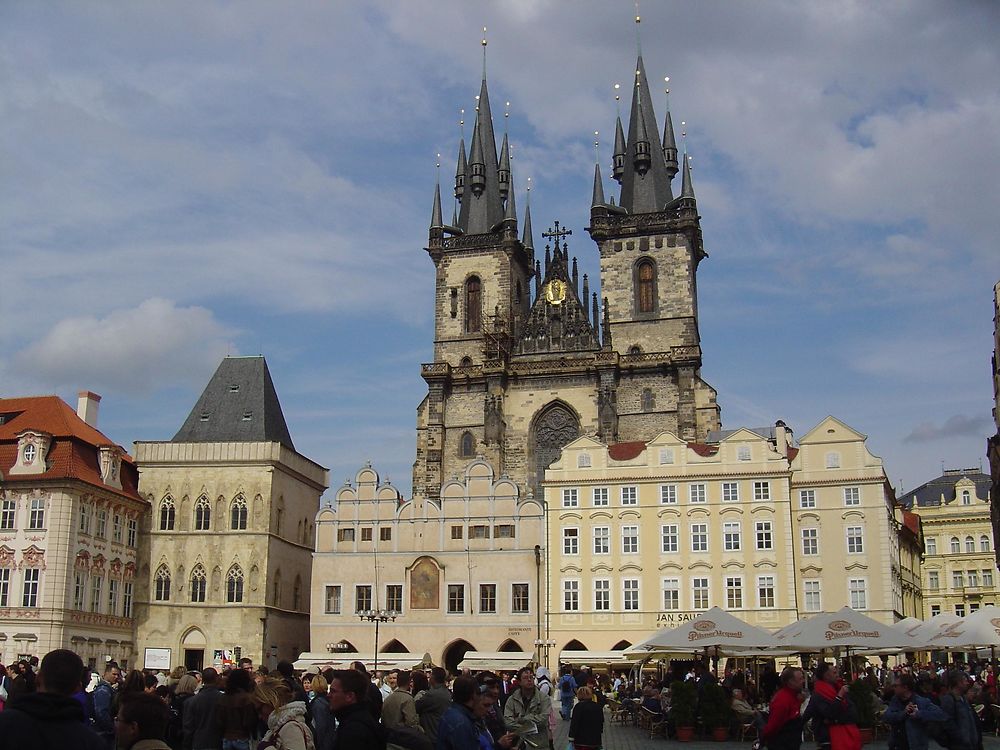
[198, 584]
[473, 305]
[554, 428]
[635, 349]
[466, 362]
[238, 514]
[202, 514]
[468, 447]
[276, 589]
[161, 584]
[648, 400]
[167, 514]
[645, 286]
[234, 584]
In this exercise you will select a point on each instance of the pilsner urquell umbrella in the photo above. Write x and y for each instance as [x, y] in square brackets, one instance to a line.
[714, 629]
[927, 633]
[979, 629]
[845, 628]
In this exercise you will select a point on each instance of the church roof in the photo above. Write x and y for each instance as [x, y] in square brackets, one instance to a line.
[239, 405]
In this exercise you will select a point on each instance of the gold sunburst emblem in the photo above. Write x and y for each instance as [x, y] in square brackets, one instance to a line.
[555, 292]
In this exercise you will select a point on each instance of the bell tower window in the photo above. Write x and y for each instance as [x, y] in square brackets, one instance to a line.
[473, 305]
[467, 449]
[645, 286]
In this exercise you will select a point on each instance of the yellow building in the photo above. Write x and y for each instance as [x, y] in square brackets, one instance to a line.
[646, 535]
[959, 571]
[460, 574]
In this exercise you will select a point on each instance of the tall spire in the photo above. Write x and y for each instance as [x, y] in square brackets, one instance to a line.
[618, 168]
[510, 212]
[461, 172]
[526, 239]
[645, 189]
[503, 174]
[483, 209]
[687, 187]
[669, 142]
[598, 199]
[437, 221]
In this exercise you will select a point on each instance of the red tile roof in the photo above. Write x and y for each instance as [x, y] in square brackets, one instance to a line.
[792, 453]
[73, 453]
[626, 451]
[912, 522]
[703, 449]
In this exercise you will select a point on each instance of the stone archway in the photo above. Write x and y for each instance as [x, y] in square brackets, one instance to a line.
[454, 653]
[193, 645]
[510, 645]
[553, 428]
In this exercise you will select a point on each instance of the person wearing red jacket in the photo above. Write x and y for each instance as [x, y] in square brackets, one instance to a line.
[783, 730]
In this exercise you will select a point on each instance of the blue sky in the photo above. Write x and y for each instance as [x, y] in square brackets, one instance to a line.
[189, 179]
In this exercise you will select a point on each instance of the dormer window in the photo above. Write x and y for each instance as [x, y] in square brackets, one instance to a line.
[247, 415]
[29, 453]
[110, 462]
[234, 388]
[204, 416]
[32, 449]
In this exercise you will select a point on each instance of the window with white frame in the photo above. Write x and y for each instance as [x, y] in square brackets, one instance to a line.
[732, 540]
[857, 588]
[855, 540]
[570, 497]
[810, 541]
[630, 594]
[852, 496]
[972, 576]
[807, 498]
[79, 590]
[630, 495]
[933, 580]
[630, 540]
[960, 610]
[955, 545]
[600, 497]
[833, 460]
[734, 592]
[666, 455]
[602, 540]
[112, 596]
[131, 531]
[930, 545]
[699, 593]
[957, 579]
[29, 589]
[117, 528]
[696, 493]
[8, 515]
[984, 544]
[743, 453]
[571, 541]
[5, 587]
[96, 593]
[812, 596]
[761, 491]
[730, 492]
[764, 531]
[699, 537]
[487, 598]
[571, 596]
[935, 610]
[671, 594]
[765, 592]
[987, 577]
[102, 523]
[520, 598]
[333, 599]
[970, 544]
[966, 497]
[668, 494]
[583, 461]
[36, 513]
[84, 527]
[669, 537]
[456, 598]
[363, 598]
[394, 597]
[602, 595]
[127, 599]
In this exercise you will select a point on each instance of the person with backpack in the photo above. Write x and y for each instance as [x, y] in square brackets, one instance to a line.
[567, 691]
[962, 730]
[909, 715]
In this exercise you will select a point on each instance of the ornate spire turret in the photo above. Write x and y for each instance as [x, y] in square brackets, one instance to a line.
[437, 221]
[510, 212]
[641, 157]
[618, 169]
[669, 143]
[687, 187]
[585, 296]
[645, 183]
[526, 239]
[461, 172]
[503, 174]
[598, 199]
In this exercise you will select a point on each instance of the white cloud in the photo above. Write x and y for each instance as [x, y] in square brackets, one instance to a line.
[959, 425]
[136, 350]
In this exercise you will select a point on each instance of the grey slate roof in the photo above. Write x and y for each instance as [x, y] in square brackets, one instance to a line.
[649, 192]
[239, 404]
[942, 490]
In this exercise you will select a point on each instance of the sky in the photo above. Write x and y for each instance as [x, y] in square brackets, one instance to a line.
[181, 181]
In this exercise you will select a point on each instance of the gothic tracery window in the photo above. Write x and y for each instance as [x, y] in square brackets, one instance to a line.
[555, 428]
[238, 514]
[161, 584]
[202, 514]
[234, 584]
[467, 449]
[199, 584]
[167, 514]
[648, 400]
[473, 305]
[645, 292]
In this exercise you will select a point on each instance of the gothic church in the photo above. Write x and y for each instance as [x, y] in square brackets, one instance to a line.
[526, 359]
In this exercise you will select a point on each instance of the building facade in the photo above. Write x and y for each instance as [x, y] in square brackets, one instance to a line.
[647, 535]
[69, 520]
[458, 574]
[959, 571]
[993, 444]
[526, 357]
[226, 569]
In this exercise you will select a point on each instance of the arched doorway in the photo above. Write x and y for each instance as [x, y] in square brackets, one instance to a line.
[193, 648]
[510, 645]
[454, 653]
[574, 645]
[621, 646]
[395, 647]
[554, 427]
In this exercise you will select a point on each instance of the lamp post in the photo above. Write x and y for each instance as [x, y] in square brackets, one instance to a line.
[378, 616]
[546, 644]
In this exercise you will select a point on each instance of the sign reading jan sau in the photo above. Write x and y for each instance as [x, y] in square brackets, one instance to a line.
[672, 619]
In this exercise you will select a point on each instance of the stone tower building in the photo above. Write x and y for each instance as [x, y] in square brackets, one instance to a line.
[519, 372]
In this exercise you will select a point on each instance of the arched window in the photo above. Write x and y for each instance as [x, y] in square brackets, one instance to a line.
[970, 544]
[238, 514]
[648, 400]
[167, 514]
[966, 497]
[473, 305]
[297, 594]
[198, 584]
[276, 589]
[635, 349]
[467, 449]
[202, 514]
[956, 546]
[161, 584]
[645, 286]
[234, 584]
[984, 543]
[466, 362]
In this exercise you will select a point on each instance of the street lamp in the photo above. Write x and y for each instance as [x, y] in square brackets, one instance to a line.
[339, 646]
[378, 616]
[543, 643]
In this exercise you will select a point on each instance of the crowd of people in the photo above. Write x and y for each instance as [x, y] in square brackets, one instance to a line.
[61, 703]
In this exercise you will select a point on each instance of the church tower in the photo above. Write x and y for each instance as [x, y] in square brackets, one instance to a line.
[521, 369]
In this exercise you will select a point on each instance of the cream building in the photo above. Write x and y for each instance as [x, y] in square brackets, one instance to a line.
[993, 445]
[226, 559]
[646, 535]
[460, 574]
[69, 521]
[959, 571]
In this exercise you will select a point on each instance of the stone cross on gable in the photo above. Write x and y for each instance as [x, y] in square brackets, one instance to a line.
[558, 233]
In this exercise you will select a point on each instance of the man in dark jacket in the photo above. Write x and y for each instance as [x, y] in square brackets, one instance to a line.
[829, 704]
[201, 730]
[907, 715]
[104, 699]
[358, 729]
[432, 704]
[50, 717]
[373, 695]
[962, 725]
[287, 671]
[458, 728]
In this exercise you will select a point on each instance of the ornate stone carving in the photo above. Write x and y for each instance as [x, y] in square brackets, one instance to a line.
[32, 450]
[33, 557]
[493, 420]
[607, 414]
[555, 427]
[82, 560]
[6, 557]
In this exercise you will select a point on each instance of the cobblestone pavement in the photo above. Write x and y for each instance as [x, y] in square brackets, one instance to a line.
[632, 738]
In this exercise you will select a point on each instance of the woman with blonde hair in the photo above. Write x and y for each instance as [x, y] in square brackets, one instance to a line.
[319, 709]
[586, 724]
[183, 692]
[284, 717]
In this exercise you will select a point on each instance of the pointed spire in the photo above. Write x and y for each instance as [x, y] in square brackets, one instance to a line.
[669, 142]
[619, 155]
[483, 209]
[593, 312]
[641, 158]
[548, 258]
[526, 239]
[477, 163]
[510, 214]
[645, 184]
[585, 296]
[437, 222]
[461, 172]
[538, 279]
[454, 216]
[598, 199]
[687, 187]
[576, 277]
[503, 174]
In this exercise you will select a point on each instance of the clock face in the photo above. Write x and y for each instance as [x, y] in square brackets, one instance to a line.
[555, 292]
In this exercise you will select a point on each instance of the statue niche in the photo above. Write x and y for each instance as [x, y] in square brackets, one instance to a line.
[555, 427]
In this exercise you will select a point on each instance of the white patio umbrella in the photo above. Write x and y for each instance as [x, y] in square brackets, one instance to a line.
[715, 629]
[979, 629]
[907, 625]
[845, 628]
[927, 634]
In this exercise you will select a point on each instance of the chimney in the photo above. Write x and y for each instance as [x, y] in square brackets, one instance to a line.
[782, 438]
[86, 407]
